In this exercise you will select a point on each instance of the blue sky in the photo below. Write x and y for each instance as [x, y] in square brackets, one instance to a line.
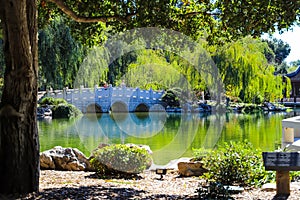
[292, 37]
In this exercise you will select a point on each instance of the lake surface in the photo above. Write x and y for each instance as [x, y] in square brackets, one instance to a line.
[169, 135]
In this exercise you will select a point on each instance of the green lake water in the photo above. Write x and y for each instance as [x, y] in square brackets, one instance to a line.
[169, 135]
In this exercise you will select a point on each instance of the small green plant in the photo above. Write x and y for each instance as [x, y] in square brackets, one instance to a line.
[120, 158]
[295, 176]
[52, 101]
[213, 191]
[251, 108]
[65, 111]
[236, 163]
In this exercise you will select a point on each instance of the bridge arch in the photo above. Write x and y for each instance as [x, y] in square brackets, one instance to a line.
[94, 108]
[142, 107]
[119, 106]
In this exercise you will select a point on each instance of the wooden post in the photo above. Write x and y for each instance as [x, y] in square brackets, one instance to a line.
[282, 183]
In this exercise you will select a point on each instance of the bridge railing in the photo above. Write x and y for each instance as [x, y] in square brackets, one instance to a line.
[105, 96]
[125, 92]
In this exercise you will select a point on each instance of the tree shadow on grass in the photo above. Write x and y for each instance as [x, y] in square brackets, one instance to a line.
[90, 192]
[280, 197]
[125, 176]
[96, 192]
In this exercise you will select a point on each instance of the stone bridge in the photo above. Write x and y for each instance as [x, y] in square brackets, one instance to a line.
[115, 99]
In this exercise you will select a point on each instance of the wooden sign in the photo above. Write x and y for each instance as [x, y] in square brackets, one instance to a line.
[282, 161]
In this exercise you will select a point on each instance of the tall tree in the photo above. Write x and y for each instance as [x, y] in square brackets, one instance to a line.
[281, 51]
[59, 55]
[280, 48]
[19, 143]
[19, 146]
[246, 73]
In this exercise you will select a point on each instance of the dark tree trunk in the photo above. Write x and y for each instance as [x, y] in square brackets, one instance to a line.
[19, 143]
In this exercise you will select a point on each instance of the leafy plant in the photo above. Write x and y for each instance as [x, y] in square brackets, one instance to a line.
[236, 163]
[52, 101]
[65, 111]
[120, 158]
[295, 176]
[213, 191]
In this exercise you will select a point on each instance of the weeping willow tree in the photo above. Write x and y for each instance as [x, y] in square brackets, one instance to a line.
[159, 69]
[246, 73]
[151, 71]
[60, 55]
[92, 69]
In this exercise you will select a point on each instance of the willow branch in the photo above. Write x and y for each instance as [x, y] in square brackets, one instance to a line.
[83, 19]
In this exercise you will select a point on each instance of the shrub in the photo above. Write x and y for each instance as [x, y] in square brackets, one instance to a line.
[251, 108]
[65, 111]
[171, 99]
[52, 101]
[120, 158]
[236, 163]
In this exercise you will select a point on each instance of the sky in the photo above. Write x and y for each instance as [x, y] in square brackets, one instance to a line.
[292, 37]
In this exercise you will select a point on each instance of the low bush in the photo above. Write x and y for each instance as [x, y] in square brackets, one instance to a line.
[65, 111]
[251, 108]
[120, 158]
[236, 163]
[52, 101]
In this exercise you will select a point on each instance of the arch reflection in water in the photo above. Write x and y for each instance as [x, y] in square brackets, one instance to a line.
[140, 125]
[115, 127]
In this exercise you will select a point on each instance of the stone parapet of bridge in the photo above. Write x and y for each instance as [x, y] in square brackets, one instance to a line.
[105, 99]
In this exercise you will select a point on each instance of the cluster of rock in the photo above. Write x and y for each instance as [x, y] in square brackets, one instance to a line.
[60, 158]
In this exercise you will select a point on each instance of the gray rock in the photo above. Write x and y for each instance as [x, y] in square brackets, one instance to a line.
[60, 158]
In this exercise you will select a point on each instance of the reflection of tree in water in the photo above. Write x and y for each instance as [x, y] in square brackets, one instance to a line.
[60, 132]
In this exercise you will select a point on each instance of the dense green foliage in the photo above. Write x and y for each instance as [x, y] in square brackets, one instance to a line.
[281, 51]
[120, 158]
[52, 101]
[280, 48]
[217, 20]
[65, 111]
[146, 72]
[59, 56]
[236, 163]
[171, 99]
[246, 73]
